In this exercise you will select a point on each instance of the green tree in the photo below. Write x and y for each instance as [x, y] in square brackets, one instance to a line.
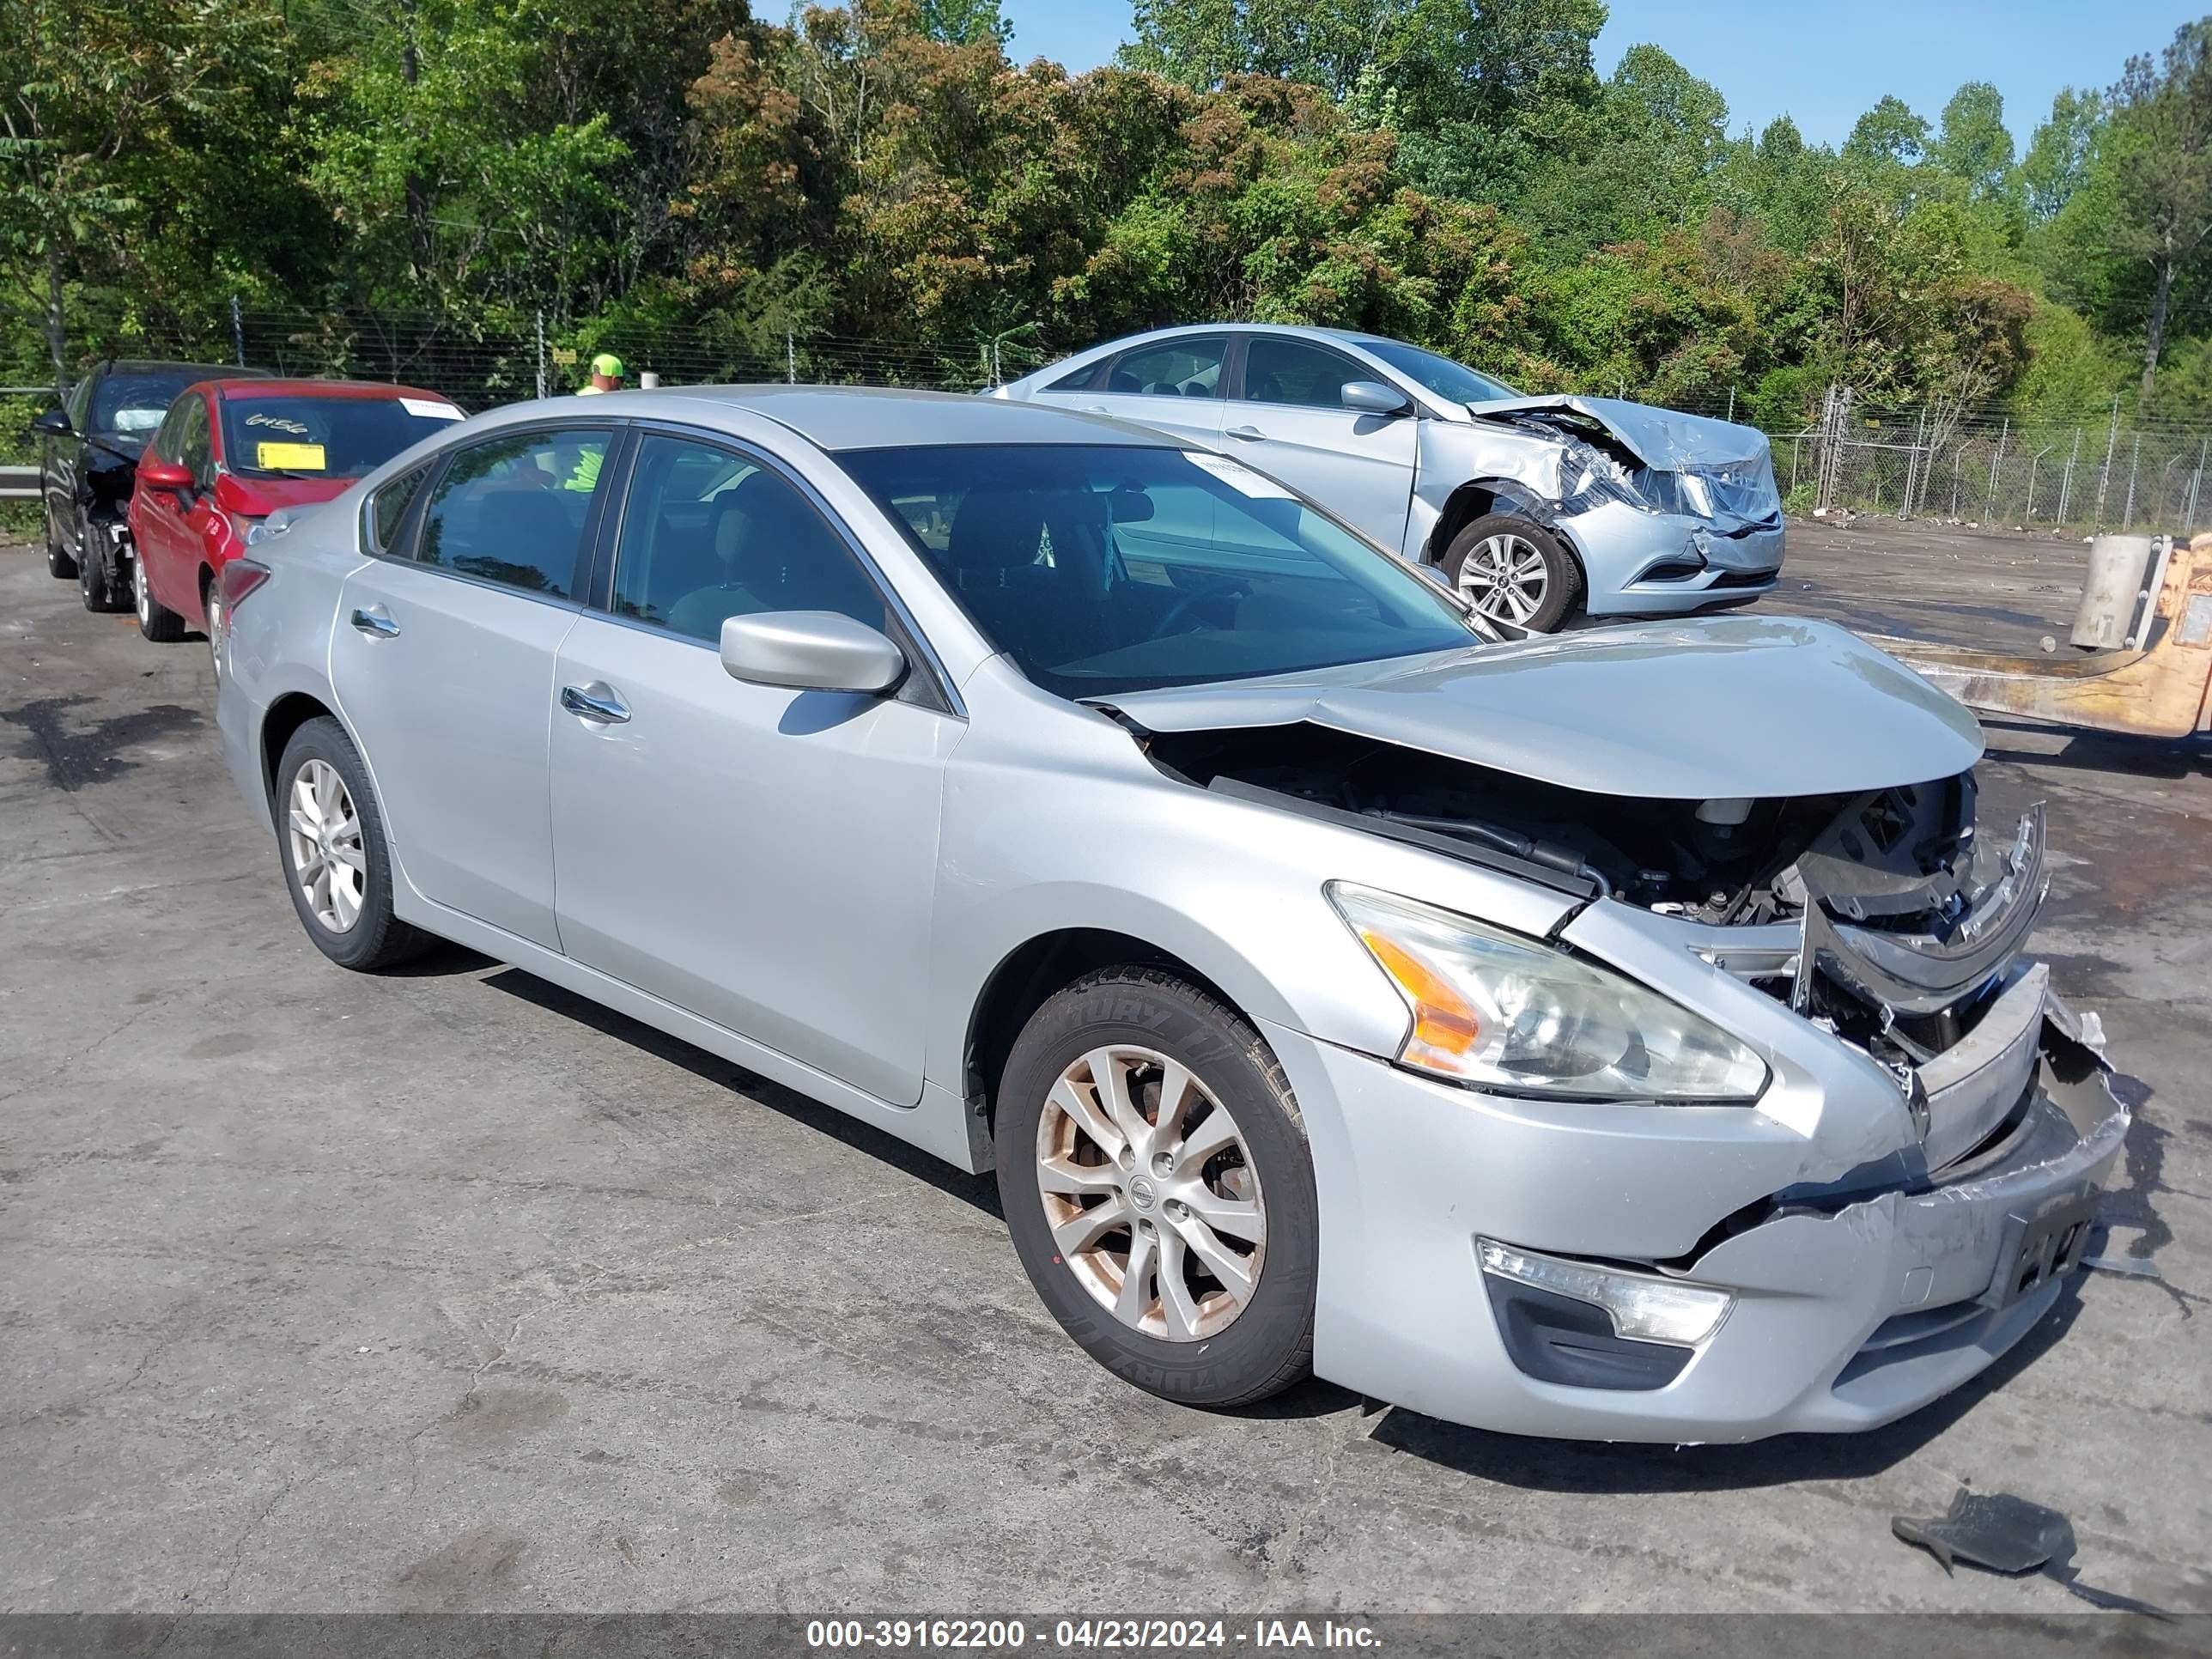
[965, 22]
[103, 97]
[2162, 175]
[2060, 151]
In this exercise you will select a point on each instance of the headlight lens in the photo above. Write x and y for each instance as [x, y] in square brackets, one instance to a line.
[1510, 1013]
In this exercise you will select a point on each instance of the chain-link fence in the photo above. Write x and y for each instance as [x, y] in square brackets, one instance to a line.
[2079, 469]
[2040, 470]
[479, 366]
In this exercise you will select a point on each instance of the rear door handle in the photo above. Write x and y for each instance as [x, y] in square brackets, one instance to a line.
[376, 620]
[1250, 434]
[595, 702]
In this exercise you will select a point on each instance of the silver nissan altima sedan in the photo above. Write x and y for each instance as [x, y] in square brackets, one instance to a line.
[1623, 1035]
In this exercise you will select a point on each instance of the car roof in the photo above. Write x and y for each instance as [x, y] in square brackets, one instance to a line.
[836, 418]
[271, 387]
[160, 366]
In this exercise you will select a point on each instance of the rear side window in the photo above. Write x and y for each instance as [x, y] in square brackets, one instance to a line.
[1178, 369]
[387, 509]
[1293, 372]
[513, 510]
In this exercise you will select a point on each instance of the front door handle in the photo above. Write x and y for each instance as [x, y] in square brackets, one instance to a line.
[595, 702]
[1250, 434]
[376, 620]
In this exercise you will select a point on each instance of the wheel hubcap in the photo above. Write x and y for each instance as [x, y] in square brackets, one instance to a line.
[139, 588]
[328, 859]
[1504, 578]
[1150, 1194]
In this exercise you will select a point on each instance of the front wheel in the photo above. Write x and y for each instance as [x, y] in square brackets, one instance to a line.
[96, 575]
[337, 865]
[1514, 570]
[155, 620]
[1154, 1173]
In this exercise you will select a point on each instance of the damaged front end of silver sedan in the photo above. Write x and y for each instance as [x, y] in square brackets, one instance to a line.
[1894, 1205]
[1666, 513]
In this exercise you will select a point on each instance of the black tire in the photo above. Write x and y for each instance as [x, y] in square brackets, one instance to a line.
[376, 938]
[95, 576]
[1267, 1346]
[59, 565]
[1563, 575]
[155, 620]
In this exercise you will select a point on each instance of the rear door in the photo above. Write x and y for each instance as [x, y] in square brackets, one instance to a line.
[1173, 386]
[443, 658]
[1287, 418]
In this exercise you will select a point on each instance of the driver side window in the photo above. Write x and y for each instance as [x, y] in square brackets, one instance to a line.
[195, 448]
[708, 534]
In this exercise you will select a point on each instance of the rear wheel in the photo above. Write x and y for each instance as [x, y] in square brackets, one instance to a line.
[1155, 1177]
[337, 865]
[59, 565]
[1513, 570]
[155, 620]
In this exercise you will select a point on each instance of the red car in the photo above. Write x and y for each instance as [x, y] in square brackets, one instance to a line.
[230, 453]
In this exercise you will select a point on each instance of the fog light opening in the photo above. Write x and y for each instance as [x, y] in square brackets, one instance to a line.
[1642, 1309]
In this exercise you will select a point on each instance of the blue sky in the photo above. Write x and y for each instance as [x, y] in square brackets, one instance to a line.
[1821, 63]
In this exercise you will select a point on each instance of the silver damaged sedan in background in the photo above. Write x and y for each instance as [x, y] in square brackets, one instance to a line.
[1333, 985]
[1535, 508]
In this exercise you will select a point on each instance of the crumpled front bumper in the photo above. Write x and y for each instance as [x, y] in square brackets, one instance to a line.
[1631, 561]
[1853, 1305]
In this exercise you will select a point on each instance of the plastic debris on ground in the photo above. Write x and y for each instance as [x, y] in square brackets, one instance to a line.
[2011, 1535]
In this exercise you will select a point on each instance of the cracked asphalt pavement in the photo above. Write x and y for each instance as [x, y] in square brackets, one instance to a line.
[447, 1290]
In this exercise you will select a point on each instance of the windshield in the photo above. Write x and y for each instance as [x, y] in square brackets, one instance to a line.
[1106, 569]
[1448, 380]
[132, 402]
[296, 435]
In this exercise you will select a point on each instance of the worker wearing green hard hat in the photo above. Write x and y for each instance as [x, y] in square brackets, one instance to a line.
[606, 375]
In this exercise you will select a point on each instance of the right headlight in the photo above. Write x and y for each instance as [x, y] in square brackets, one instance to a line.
[1513, 1014]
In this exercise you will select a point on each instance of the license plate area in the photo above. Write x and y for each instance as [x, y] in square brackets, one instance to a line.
[2038, 1251]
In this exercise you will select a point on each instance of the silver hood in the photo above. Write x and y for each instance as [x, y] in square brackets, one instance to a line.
[1695, 710]
[1661, 438]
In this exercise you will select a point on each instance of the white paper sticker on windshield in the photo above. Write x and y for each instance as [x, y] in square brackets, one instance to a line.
[1239, 477]
[430, 411]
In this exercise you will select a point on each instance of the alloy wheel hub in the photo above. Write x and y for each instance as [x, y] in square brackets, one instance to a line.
[1149, 1188]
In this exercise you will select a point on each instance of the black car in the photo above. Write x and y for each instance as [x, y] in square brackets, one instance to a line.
[88, 453]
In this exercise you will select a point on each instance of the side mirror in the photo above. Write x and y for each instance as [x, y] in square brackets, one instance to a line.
[1129, 507]
[54, 422]
[157, 474]
[810, 651]
[1373, 397]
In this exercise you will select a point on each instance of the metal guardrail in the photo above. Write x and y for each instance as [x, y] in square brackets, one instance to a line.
[19, 483]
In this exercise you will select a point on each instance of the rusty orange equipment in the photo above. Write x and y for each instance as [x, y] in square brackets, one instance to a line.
[2158, 686]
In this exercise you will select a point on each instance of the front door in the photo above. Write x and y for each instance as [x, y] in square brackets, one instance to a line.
[172, 528]
[764, 858]
[443, 658]
[1288, 419]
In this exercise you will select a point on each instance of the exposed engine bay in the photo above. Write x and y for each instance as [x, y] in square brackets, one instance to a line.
[1884, 915]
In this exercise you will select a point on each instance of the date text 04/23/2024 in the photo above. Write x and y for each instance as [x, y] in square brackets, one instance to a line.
[1087, 1635]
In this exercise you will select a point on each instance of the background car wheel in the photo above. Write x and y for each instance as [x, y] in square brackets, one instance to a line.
[155, 620]
[330, 838]
[96, 577]
[1154, 1174]
[1513, 570]
[59, 565]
